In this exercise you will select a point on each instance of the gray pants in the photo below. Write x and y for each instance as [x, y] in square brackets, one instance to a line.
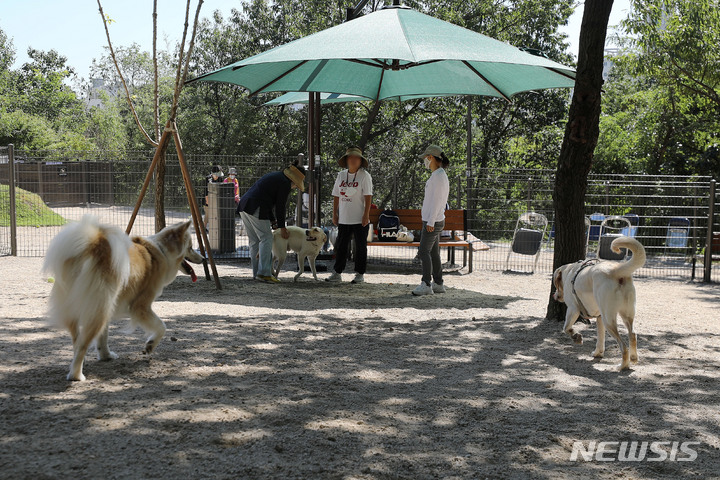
[260, 237]
[430, 253]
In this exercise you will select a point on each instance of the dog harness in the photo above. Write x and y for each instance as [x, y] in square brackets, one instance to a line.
[583, 265]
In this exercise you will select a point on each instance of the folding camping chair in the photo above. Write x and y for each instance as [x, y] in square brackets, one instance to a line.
[612, 227]
[678, 233]
[528, 236]
[634, 224]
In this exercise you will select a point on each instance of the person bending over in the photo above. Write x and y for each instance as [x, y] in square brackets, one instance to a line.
[261, 207]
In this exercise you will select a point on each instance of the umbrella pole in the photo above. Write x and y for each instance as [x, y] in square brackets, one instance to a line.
[314, 155]
[468, 149]
[311, 159]
[318, 175]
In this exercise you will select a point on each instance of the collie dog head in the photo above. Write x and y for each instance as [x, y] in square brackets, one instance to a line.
[176, 242]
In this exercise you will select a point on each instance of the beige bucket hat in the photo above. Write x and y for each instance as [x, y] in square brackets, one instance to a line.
[353, 151]
[296, 176]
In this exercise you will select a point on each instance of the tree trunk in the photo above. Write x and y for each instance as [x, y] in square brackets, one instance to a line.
[160, 171]
[160, 190]
[581, 134]
[367, 126]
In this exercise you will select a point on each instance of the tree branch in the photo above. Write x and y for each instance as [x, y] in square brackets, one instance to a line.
[397, 122]
[122, 79]
[707, 90]
[191, 47]
[183, 59]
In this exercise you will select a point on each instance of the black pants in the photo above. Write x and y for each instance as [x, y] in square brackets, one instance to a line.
[342, 246]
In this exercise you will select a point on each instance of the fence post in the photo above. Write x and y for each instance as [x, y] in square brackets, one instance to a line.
[707, 274]
[11, 191]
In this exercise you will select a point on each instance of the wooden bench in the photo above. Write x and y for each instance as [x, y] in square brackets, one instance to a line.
[455, 221]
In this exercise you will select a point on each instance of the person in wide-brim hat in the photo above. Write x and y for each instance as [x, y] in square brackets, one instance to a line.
[353, 151]
[352, 199]
[261, 207]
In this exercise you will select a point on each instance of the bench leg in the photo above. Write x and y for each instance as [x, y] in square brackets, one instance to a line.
[470, 259]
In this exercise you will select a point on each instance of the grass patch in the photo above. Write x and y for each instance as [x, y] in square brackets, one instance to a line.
[31, 210]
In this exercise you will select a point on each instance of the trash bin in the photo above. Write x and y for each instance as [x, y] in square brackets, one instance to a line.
[221, 217]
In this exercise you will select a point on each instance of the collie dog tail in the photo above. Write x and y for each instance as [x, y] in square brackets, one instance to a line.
[91, 265]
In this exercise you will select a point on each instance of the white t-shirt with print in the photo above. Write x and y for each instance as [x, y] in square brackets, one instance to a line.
[351, 189]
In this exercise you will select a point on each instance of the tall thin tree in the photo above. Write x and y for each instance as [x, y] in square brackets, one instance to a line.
[160, 168]
[181, 73]
[578, 148]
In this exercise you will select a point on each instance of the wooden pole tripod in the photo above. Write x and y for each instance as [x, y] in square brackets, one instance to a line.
[203, 241]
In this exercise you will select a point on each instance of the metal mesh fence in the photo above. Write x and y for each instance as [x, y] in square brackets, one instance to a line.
[54, 188]
[4, 204]
[668, 215]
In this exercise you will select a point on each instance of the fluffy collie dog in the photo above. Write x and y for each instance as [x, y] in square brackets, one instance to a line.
[102, 274]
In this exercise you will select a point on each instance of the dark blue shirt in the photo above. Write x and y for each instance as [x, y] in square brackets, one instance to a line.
[269, 194]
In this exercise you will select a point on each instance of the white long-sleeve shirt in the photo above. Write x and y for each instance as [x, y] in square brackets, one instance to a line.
[437, 189]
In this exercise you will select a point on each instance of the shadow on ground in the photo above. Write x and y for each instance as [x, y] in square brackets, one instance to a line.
[305, 380]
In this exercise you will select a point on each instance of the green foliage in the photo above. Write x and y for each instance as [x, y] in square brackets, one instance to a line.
[26, 130]
[7, 52]
[105, 128]
[38, 110]
[660, 109]
[42, 87]
[31, 210]
[676, 43]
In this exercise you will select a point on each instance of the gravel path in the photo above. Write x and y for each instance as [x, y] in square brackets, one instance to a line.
[317, 381]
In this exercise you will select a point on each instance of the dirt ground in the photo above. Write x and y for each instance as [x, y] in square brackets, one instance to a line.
[316, 381]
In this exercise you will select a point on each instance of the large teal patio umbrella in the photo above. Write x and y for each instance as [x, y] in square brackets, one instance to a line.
[392, 53]
[396, 52]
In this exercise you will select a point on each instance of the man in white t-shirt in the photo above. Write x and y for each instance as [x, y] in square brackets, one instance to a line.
[352, 194]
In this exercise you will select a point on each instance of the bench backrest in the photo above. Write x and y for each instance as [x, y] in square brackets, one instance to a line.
[412, 219]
